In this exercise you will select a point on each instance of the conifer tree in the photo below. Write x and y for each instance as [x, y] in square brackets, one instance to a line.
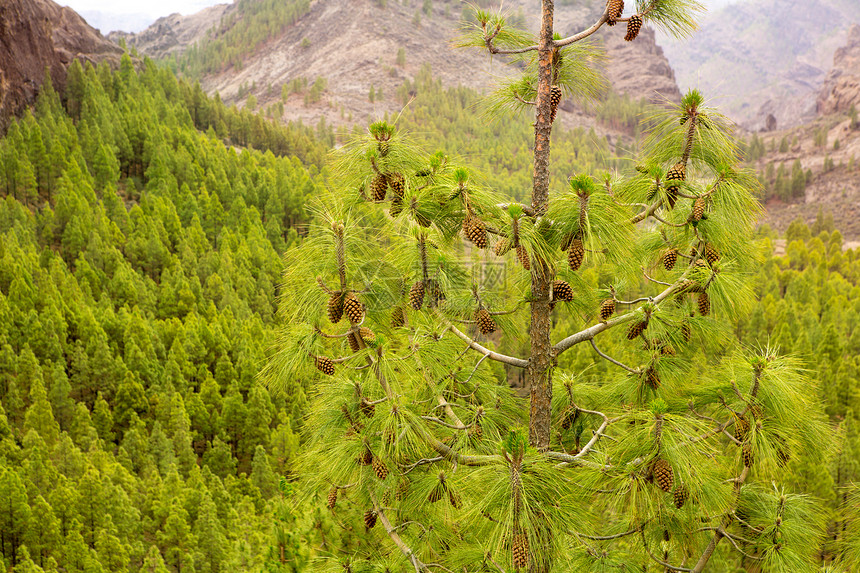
[648, 437]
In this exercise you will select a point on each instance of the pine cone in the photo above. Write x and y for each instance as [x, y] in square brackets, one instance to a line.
[616, 8]
[520, 551]
[378, 187]
[352, 338]
[669, 259]
[367, 336]
[652, 378]
[607, 309]
[663, 474]
[633, 27]
[523, 256]
[476, 231]
[398, 317]
[331, 499]
[561, 291]
[366, 458]
[502, 247]
[575, 254]
[370, 518]
[636, 329]
[486, 324]
[712, 254]
[686, 331]
[554, 99]
[325, 365]
[698, 208]
[398, 185]
[680, 495]
[704, 303]
[367, 408]
[568, 418]
[416, 295]
[748, 454]
[675, 175]
[379, 469]
[742, 428]
[335, 307]
[353, 308]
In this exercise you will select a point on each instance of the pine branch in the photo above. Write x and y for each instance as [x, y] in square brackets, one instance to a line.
[592, 331]
[607, 537]
[642, 215]
[422, 462]
[567, 458]
[518, 362]
[585, 33]
[719, 534]
[446, 424]
[617, 363]
[395, 537]
[668, 566]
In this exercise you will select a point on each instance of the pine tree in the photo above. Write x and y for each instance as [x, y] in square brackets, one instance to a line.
[15, 514]
[633, 408]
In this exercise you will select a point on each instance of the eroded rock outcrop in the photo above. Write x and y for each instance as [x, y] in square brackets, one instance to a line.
[36, 35]
[841, 88]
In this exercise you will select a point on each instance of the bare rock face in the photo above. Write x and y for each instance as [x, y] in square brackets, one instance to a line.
[640, 69]
[841, 88]
[36, 35]
[172, 34]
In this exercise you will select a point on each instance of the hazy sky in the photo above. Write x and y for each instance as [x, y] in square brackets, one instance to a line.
[154, 7]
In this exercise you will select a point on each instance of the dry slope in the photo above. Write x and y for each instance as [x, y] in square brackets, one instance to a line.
[354, 44]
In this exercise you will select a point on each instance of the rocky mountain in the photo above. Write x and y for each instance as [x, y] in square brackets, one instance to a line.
[757, 58]
[173, 33]
[841, 87]
[383, 45]
[827, 148]
[39, 34]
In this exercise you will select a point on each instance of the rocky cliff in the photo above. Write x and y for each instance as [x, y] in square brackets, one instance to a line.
[841, 87]
[760, 58]
[36, 35]
[172, 34]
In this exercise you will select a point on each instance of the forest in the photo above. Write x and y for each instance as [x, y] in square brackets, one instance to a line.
[143, 232]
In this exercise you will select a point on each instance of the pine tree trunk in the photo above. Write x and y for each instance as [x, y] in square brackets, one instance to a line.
[539, 374]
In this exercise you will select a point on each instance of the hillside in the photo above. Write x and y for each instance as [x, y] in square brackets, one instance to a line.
[39, 34]
[825, 149]
[383, 45]
[762, 57]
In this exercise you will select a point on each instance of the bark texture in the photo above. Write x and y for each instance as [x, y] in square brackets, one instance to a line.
[539, 373]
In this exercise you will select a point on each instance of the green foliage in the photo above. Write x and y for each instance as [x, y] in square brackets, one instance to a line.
[500, 150]
[241, 31]
[138, 268]
[481, 491]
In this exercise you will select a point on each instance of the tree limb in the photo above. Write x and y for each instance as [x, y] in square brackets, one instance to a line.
[519, 362]
[607, 537]
[609, 358]
[395, 537]
[585, 33]
[662, 563]
[719, 533]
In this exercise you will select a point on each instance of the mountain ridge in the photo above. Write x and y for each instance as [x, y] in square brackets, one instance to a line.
[364, 54]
